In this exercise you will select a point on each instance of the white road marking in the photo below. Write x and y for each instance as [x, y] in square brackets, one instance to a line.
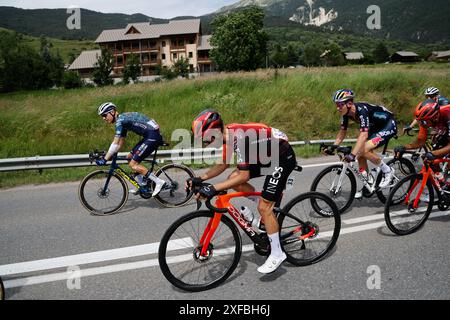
[92, 257]
[177, 244]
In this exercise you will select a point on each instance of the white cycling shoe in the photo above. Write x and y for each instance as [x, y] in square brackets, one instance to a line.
[387, 179]
[272, 263]
[158, 187]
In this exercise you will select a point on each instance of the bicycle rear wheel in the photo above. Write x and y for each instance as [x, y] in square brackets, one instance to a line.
[400, 215]
[307, 235]
[403, 167]
[179, 252]
[326, 182]
[99, 201]
[174, 194]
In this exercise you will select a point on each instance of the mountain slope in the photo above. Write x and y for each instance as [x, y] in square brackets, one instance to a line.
[413, 20]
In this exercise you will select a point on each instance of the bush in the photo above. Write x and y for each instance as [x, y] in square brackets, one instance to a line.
[72, 80]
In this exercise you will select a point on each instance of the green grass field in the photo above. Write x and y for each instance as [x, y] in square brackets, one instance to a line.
[298, 102]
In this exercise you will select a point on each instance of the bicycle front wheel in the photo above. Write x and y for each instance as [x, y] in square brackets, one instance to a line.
[173, 193]
[401, 216]
[2, 290]
[179, 252]
[99, 198]
[341, 187]
[307, 235]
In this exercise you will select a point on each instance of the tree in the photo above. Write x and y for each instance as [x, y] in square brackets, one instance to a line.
[279, 57]
[239, 41]
[132, 69]
[381, 53]
[72, 80]
[181, 67]
[312, 52]
[103, 68]
[333, 55]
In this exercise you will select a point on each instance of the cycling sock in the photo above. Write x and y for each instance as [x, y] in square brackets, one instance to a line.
[154, 178]
[275, 245]
[384, 167]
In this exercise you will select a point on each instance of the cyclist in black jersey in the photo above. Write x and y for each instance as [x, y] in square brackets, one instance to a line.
[141, 125]
[377, 127]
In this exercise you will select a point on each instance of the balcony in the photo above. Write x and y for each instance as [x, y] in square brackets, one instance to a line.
[203, 60]
[152, 62]
[178, 48]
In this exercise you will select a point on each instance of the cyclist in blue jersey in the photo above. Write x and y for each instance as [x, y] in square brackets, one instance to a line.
[377, 127]
[430, 93]
[141, 125]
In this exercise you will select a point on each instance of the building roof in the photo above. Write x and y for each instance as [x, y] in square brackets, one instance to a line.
[86, 60]
[204, 43]
[407, 54]
[145, 30]
[354, 55]
[441, 54]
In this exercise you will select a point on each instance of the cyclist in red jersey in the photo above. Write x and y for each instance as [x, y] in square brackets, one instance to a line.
[260, 151]
[429, 114]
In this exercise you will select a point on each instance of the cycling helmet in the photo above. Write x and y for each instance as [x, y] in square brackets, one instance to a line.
[106, 108]
[343, 95]
[431, 91]
[426, 111]
[207, 119]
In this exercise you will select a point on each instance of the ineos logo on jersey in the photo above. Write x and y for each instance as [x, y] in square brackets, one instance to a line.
[273, 182]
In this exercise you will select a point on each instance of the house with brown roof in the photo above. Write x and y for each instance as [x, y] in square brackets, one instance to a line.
[443, 56]
[405, 56]
[155, 45]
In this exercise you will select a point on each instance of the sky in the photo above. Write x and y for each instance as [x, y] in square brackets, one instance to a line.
[157, 9]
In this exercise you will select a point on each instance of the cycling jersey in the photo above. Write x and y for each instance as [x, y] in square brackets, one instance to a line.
[253, 143]
[440, 135]
[371, 118]
[443, 101]
[137, 123]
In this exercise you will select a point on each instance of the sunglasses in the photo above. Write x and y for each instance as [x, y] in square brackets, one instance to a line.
[340, 105]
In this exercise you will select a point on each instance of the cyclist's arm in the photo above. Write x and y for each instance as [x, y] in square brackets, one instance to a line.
[115, 147]
[340, 137]
[413, 124]
[420, 141]
[360, 143]
[214, 171]
[442, 152]
[242, 177]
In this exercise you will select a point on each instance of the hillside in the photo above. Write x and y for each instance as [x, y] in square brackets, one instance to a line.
[411, 20]
[295, 101]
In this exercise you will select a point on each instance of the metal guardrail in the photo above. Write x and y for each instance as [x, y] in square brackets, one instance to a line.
[82, 160]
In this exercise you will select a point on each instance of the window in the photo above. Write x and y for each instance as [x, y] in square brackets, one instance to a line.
[174, 56]
[119, 60]
[163, 56]
[163, 44]
[191, 55]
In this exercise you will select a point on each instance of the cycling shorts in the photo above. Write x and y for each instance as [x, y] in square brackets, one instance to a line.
[380, 136]
[145, 147]
[276, 175]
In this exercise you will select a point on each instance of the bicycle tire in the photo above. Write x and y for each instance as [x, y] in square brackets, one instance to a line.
[181, 281]
[291, 246]
[88, 204]
[405, 165]
[168, 198]
[348, 200]
[2, 290]
[390, 214]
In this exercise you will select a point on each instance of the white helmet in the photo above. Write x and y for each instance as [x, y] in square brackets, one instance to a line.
[431, 91]
[106, 108]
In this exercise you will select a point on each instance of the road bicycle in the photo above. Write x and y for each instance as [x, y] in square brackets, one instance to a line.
[339, 181]
[105, 192]
[411, 200]
[201, 250]
[2, 290]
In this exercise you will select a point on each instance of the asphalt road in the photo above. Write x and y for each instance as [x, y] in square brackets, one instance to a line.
[51, 248]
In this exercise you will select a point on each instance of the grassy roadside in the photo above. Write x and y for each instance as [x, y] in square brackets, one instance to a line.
[298, 102]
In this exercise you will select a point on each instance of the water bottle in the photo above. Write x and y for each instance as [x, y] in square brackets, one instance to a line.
[255, 222]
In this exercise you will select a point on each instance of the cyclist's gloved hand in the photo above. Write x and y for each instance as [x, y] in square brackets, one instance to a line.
[400, 150]
[330, 150]
[208, 191]
[407, 129]
[430, 156]
[193, 182]
[101, 162]
[349, 157]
